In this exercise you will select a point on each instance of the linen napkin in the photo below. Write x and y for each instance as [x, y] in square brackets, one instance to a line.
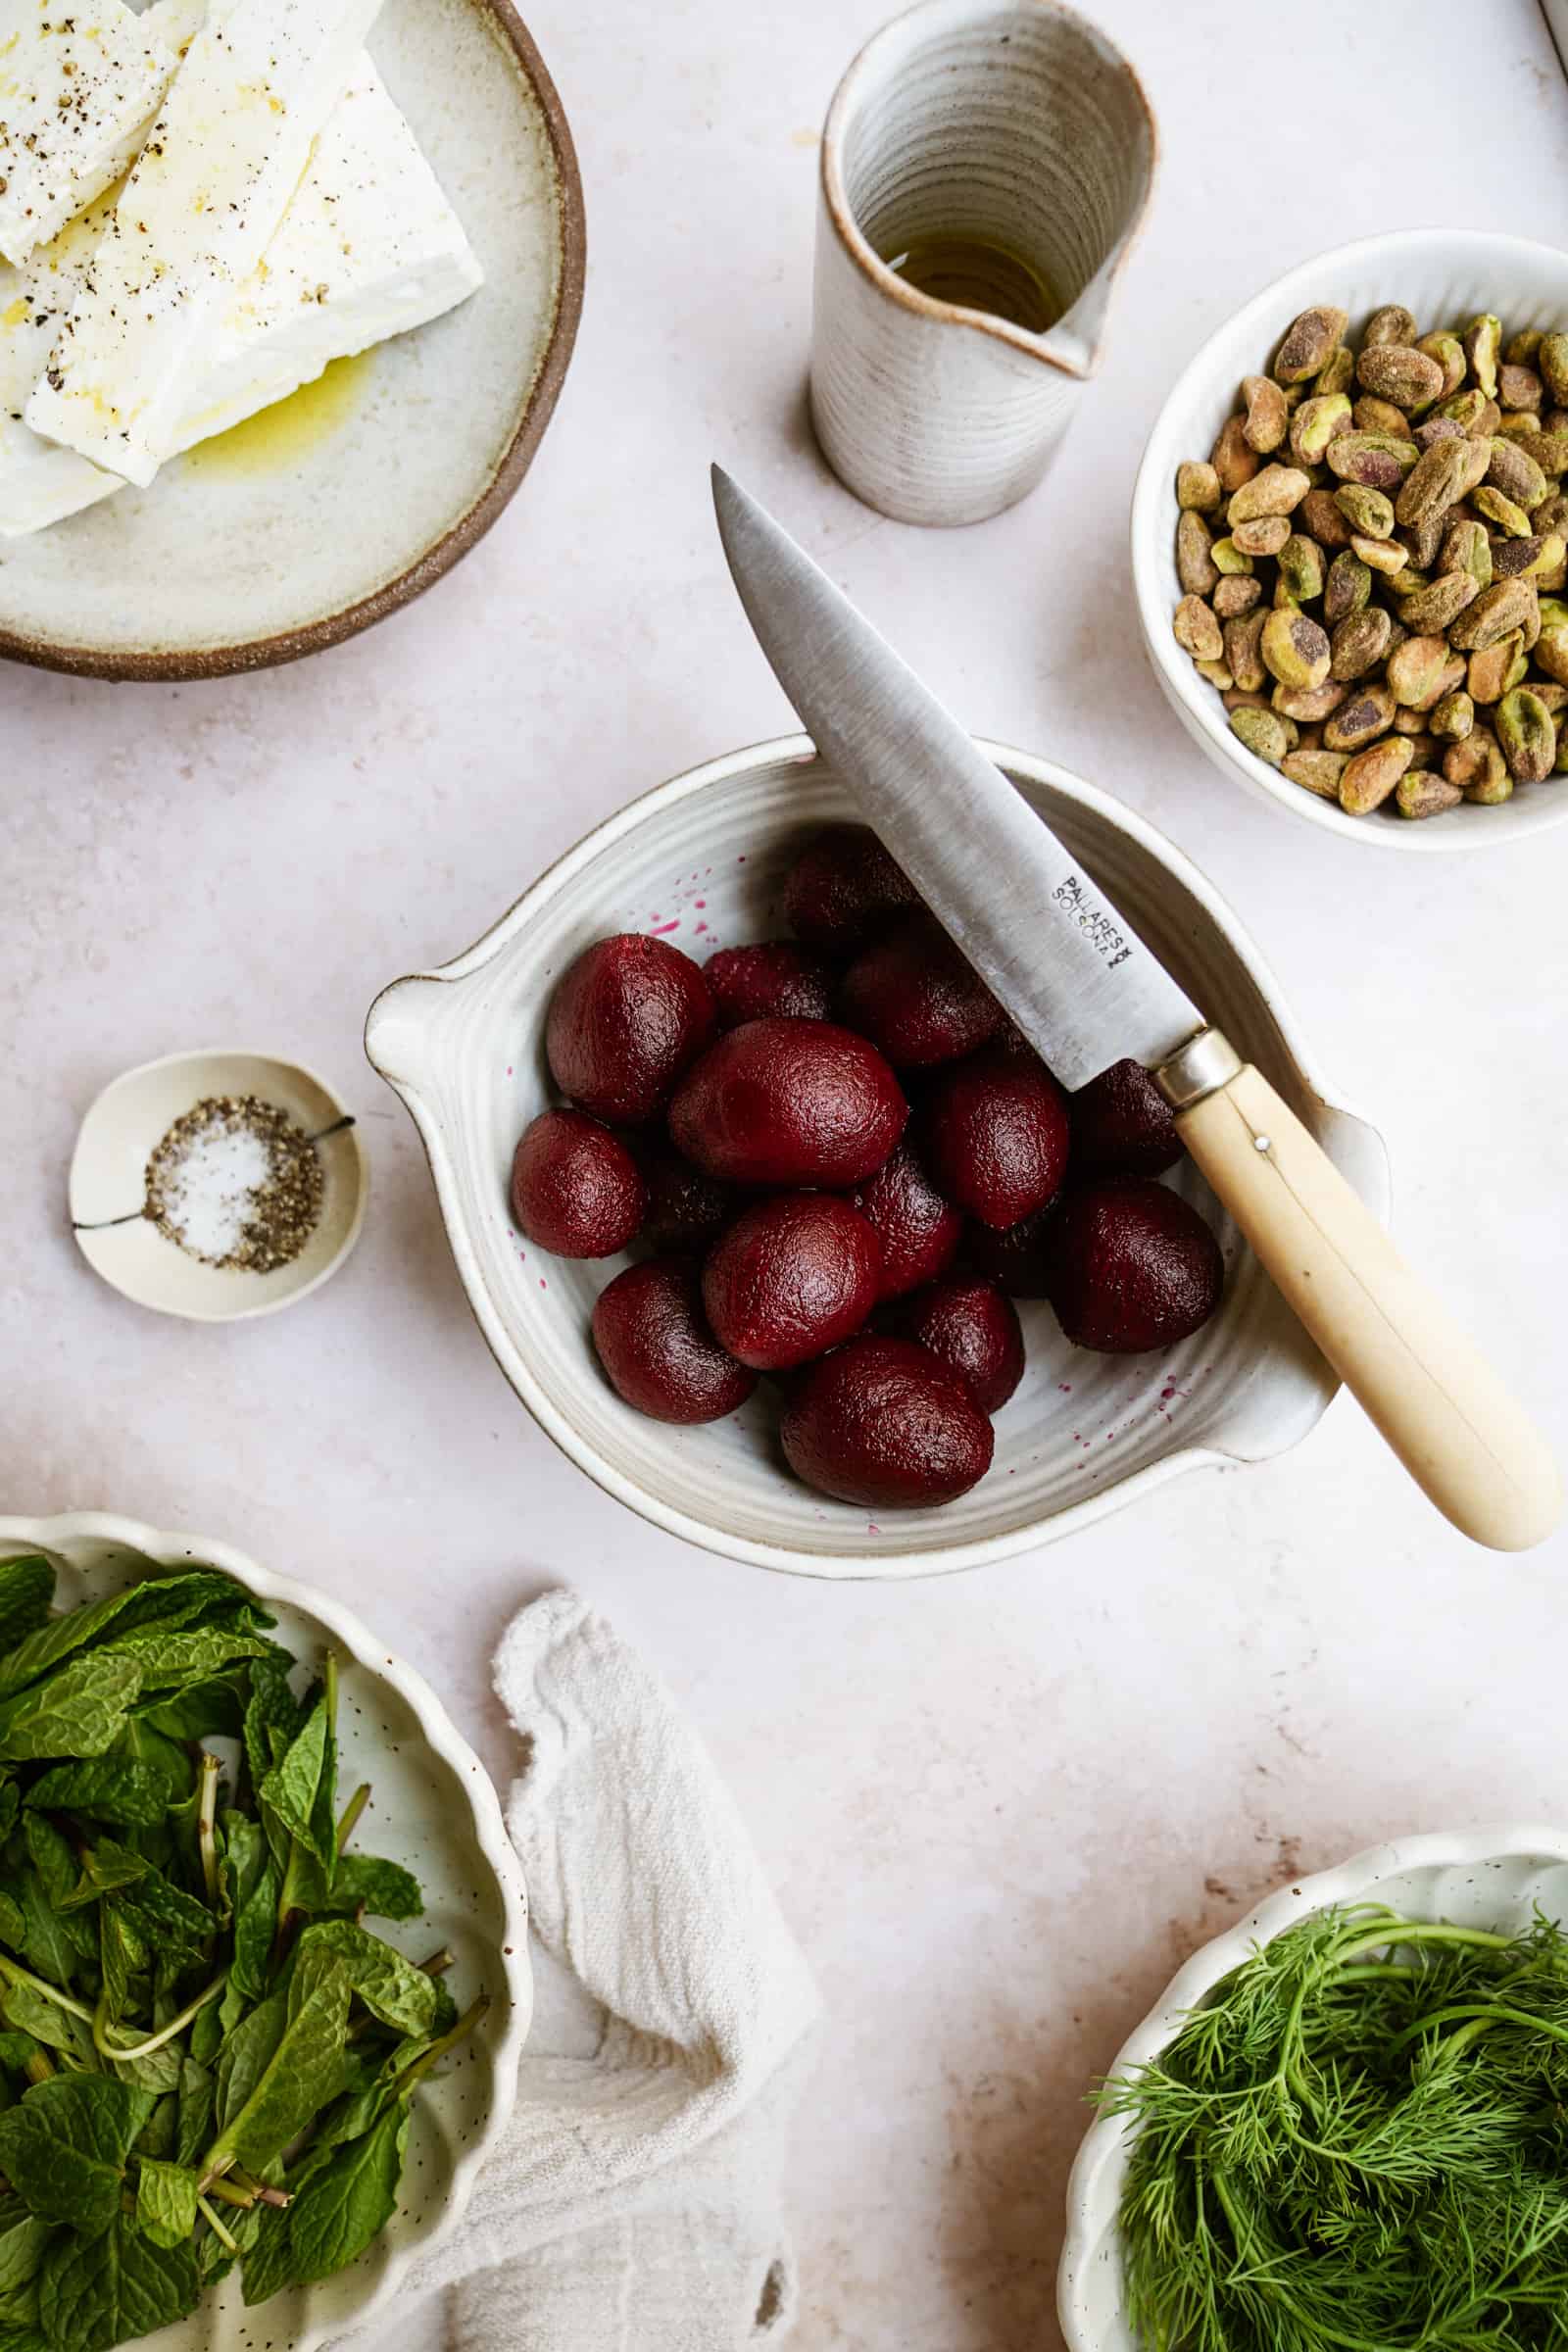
[634, 2202]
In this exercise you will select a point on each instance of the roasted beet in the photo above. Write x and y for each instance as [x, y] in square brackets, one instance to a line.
[883, 1423]
[575, 1188]
[994, 1134]
[972, 1326]
[685, 1207]
[774, 980]
[1122, 1125]
[792, 1277]
[657, 1349]
[789, 1102]
[844, 888]
[914, 995]
[1012, 1254]
[920, 1232]
[1131, 1266]
[626, 1018]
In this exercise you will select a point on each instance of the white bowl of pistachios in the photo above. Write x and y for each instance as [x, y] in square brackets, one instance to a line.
[1371, 638]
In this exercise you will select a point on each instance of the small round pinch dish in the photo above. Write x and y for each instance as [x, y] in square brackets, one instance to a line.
[1442, 275]
[432, 1797]
[1496, 1878]
[147, 1111]
[701, 860]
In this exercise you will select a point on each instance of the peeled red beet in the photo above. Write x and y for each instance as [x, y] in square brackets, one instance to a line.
[972, 1326]
[1122, 1125]
[626, 1018]
[1131, 1266]
[920, 1232]
[883, 1423]
[791, 1278]
[1013, 1254]
[993, 1132]
[789, 1102]
[916, 997]
[843, 888]
[772, 980]
[575, 1188]
[658, 1351]
[685, 1207]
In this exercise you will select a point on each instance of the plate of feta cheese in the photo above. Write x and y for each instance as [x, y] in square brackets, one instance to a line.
[287, 292]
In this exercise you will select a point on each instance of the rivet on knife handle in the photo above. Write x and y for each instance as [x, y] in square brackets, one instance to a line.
[1462, 1437]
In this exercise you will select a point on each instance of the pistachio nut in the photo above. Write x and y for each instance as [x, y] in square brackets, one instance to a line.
[1549, 447]
[1423, 539]
[1309, 705]
[1441, 476]
[1245, 660]
[1197, 487]
[1552, 652]
[1360, 641]
[1527, 736]
[1318, 770]
[1232, 457]
[1369, 511]
[1197, 632]
[1301, 575]
[1376, 461]
[1236, 595]
[1373, 416]
[1411, 723]
[1454, 716]
[1553, 612]
[1514, 471]
[1216, 674]
[1392, 322]
[1483, 346]
[1505, 606]
[1448, 352]
[1466, 548]
[1550, 516]
[1294, 648]
[1268, 416]
[1241, 697]
[1470, 410]
[1372, 774]
[1309, 342]
[1553, 695]
[1522, 349]
[1381, 554]
[1415, 671]
[1519, 388]
[1437, 428]
[1489, 672]
[1348, 586]
[1263, 732]
[1277, 490]
[1422, 792]
[1518, 424]
[1401, 373]
[1531, 558]
[1336, 374]
[1315, 423]
[1228, 557]
[1502, 510]
[1359, 720]
[1551, 357]
[1431, 608]
[1477, 765]
[1195, 568]
[1264, 535]
[1321, 517]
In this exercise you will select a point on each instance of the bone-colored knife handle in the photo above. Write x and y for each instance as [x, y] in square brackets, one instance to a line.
[1462, 1437]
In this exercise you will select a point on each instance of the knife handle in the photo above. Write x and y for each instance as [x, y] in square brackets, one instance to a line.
[1462, 1437]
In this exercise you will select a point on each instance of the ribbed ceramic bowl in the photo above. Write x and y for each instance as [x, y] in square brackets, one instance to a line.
[1488, 1878]
[1443, 275]
[701, 861]
[432, 1807]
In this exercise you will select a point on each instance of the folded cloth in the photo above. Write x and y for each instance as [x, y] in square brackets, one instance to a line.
[634, 2201]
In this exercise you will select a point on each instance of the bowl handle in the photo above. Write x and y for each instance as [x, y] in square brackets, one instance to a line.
[398, 1028]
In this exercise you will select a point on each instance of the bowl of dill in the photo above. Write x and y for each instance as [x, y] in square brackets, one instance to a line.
[1344, 2129]
[264, 1979]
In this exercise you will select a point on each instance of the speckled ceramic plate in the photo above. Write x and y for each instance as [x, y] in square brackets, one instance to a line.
[434, 1808]
[226, 565]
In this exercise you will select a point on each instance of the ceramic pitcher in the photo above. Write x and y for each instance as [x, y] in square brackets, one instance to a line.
[1005, 128]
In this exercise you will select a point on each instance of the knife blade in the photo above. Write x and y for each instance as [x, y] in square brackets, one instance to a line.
[1070, 969]
[1087, 992]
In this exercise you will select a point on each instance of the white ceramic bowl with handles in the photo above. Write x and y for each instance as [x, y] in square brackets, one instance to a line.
[1494, 1879]
[701, 860]
[1443, 275]
[432, 1808]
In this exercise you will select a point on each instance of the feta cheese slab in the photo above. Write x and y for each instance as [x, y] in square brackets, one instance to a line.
[78, 84]
[203, 202]
[367, 248]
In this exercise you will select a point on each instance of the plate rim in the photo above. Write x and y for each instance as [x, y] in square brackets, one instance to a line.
[239, 656]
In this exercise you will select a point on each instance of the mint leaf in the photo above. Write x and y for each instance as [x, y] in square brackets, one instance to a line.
[195, 2127]
[13, 1927]
[269, 2262]
[301, 2076]
[167, 1600]
[210, 1710]
[63, 2148]
[337, 2215]
[94, 2295]
[273, 1717]
[289, 1791]
[133, 1796]
[10, 1803]
[165, 2201]
[365, 1883]
[106, 1868]
[248, 2053]
[77, 1712]
[22, 2245]
[391, 1988]
[175, 1923]
[166, 1659]
[27, 1589]
[254, 1930]
[47, 1946]
[25, 2011]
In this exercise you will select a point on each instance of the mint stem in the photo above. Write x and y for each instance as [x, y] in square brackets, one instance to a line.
[155, 2041]
[350, 1819]
[217, 2228]
[206, 1821]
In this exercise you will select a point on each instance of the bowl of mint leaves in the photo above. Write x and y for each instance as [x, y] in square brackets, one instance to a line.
[263, 1953]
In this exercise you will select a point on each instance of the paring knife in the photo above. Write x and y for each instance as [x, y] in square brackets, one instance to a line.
[1086, 991]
